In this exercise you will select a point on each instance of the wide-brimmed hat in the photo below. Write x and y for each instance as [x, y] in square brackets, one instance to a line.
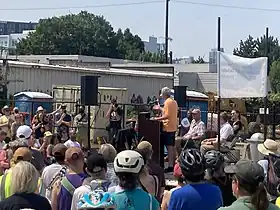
[40, 108]
[269, 147]
[5, 108]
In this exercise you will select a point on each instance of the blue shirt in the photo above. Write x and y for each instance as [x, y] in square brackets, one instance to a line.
[136, 199]
[202, 196]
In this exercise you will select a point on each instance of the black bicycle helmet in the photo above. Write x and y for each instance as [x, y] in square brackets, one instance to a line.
[213, 159]
[191, 162]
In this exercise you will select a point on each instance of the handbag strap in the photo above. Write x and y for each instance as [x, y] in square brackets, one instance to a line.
[151, 201]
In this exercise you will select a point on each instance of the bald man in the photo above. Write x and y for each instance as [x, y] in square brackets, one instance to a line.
[195, 134]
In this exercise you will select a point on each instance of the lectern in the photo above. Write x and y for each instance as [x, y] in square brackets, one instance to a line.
[150, 131]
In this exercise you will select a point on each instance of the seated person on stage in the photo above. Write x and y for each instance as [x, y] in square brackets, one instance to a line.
[225, 132]
[195, 134]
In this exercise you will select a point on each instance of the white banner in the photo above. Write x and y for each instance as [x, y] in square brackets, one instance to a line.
[240, 77]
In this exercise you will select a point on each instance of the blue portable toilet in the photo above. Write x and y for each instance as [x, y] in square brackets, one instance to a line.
[28, 102]
[194, 99]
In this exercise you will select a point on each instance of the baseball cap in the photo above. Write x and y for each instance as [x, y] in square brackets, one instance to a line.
[177, 172]
[22, 153]
[59, 150]
[73, 153]
[47, 134]
[96, 163]
[24, 131]
[248, 170]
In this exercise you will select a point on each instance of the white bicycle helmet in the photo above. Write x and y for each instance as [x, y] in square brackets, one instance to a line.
[128, 161]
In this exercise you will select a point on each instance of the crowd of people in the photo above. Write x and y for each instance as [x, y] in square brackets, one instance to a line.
[45, 170]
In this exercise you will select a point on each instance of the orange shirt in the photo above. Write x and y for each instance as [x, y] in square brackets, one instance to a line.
[170, 110]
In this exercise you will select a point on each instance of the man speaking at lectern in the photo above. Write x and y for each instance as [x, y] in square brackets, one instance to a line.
[169, 126]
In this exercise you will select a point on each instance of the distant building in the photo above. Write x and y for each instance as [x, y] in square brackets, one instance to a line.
[10, 27]
[153, 46]
[9, 42]
[213, 60]
[184, 60]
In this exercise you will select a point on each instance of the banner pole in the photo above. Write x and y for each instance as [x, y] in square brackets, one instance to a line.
[265, 98]
[219, 84]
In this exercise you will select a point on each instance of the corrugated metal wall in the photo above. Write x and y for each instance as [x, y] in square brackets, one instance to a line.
[42, 79]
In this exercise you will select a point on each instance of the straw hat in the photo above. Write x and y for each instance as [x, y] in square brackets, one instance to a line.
[269, 147]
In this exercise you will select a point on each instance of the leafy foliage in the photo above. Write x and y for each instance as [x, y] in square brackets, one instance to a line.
[84, 34]
[253, 48]
[274, 76]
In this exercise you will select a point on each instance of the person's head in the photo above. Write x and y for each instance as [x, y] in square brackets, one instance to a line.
[146, 149]
[235, 115]
[40, 116]
[16, 110]
[247, 180]
[127, 166]
[18, 118]
[58, 153]
[6, 110]
[21, 154]
[25, 132]
[40, 110]
[82, 109]
[224, 118]
[24, 178]
[3, 135]
[177, 173]
[63, 108]
[166, 92]
[18, 143]
[192, 165]
[196, 114]
[48, 136]
[74, 158]
[96, 166]
[214, 163]
[108, 151]
[269, 146]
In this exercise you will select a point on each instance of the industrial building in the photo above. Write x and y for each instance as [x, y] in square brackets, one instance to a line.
[198, 77]
[25, 76]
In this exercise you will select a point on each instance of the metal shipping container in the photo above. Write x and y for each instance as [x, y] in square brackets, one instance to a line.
[41, 77]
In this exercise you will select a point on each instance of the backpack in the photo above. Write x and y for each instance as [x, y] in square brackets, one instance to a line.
[98, 198]
[272, 181]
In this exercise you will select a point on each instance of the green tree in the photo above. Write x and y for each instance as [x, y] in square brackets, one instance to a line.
[253, 48]
[84, 34]
[247, 48]
[274, 76]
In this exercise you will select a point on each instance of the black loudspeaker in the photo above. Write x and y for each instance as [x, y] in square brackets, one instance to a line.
[180, 95]
[89, 90]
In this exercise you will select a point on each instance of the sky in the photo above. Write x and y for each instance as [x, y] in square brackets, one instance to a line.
[192, 27]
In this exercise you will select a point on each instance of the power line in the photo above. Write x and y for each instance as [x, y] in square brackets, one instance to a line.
[82, 7]
[226, 6]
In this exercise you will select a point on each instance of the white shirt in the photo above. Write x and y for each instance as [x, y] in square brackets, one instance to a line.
[2, 144]
[69, 143]
[48, 174]
[225, 131]
[78, 193]
[264, 165]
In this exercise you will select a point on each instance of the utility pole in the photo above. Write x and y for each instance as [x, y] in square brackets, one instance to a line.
[166, 30]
